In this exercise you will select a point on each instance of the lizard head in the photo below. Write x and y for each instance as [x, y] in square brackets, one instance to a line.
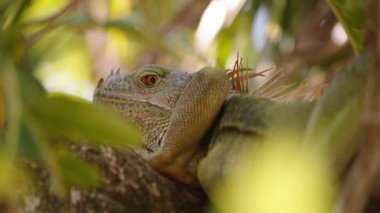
[146, 97]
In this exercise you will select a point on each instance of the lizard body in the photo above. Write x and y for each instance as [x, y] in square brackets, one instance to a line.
[198, 128]
[186, 131]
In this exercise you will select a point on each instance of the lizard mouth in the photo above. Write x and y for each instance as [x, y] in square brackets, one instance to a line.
[112, 97]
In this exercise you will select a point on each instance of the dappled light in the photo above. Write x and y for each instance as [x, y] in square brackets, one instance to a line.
[338, 36]
[211, 106]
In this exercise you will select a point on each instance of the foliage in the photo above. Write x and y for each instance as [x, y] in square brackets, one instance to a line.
[351, 15]
[33, 120]
[47, 47]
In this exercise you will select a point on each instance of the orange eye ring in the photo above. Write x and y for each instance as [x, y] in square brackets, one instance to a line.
[149, 80]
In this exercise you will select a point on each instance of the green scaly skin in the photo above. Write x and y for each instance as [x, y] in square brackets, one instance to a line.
[159, 101]
[193, 125]
[195, 129]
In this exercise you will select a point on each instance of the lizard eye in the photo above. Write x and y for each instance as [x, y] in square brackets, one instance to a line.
[149, 80]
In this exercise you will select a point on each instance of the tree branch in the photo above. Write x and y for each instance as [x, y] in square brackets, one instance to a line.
[129, 185]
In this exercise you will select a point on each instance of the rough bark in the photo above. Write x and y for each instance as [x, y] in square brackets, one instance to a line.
[129, 185]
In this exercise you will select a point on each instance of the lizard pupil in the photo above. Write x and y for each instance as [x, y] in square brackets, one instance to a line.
[149, 80]
[152, 80]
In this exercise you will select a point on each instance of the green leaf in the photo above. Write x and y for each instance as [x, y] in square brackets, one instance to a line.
[11, 11]
[12, 178]
[13, 105]
[29, 147]
[351, 14]
[40, 140]
[30, 88]
[277, 175]
[19, 89]
[73, 117]
[76, 172]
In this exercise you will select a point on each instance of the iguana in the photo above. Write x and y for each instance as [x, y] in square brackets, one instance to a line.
[171, 110]
[196, 126]
[190, 122]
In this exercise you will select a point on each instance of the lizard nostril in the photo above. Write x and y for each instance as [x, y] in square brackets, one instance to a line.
[100, 83]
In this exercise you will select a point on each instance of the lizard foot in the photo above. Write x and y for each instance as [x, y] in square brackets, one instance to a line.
[174, 168]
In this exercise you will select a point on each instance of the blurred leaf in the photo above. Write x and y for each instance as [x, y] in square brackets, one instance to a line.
[16, 87]
[351, 14]
[11, 176]
[72, 117]
[10, 11]
[156, 13]
[224, 47]
[44, 9]
[12, 179]
[338, 111]
[30, 88]
[236, 39]
[10, 41]
[291, 14]
[278, 175]
[29, 148]
[39, 139]
[13, 101]
[2, 108]
[62, 62]
[148, 37]
[21, 89]
[119, 8]
[76, 172]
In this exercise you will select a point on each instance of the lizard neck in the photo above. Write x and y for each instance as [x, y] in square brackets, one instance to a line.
[152, 120]
[154, 131]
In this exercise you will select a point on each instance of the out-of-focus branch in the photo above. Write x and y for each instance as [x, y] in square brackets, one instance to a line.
[50, 23]
[186, 16]
[189, 14]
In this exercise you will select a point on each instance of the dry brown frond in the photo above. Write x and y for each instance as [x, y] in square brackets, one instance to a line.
[273, 87]
[240, 75]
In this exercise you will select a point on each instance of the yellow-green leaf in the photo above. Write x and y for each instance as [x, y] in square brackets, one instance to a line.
[76, 172]
[73, 117]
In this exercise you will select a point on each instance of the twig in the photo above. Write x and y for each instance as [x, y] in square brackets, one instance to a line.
[50, 24]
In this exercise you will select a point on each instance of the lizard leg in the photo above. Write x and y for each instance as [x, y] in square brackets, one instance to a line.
[191, 118]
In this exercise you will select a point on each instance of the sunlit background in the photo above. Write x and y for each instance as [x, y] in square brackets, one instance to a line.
[182, 34]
